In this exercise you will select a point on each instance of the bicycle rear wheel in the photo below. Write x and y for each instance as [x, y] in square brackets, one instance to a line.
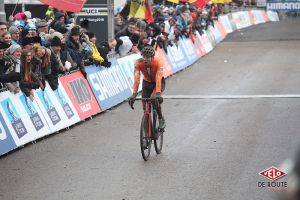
[145, 141]
[158, 134]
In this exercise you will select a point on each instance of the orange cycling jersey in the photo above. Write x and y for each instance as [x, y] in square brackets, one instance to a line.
[155, 74]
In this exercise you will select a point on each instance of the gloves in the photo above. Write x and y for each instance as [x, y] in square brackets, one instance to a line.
[106, 64]
[132, 100]
[159, 98]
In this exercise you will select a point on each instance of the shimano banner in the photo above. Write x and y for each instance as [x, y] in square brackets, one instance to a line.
[282, 5]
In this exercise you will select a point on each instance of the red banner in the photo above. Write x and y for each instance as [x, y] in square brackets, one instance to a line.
[65, 5]
[81, 95]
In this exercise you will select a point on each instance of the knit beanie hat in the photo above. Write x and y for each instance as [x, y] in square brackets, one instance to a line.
[13, 29]
[55, 42]
[75, 31]
[13, 48]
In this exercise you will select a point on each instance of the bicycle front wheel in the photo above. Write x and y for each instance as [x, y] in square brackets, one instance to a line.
[145, 140]
[158, 134]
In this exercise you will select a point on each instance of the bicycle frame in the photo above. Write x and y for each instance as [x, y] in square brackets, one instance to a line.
[147, 112]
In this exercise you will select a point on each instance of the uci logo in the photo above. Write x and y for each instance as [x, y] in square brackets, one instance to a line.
[2, 133]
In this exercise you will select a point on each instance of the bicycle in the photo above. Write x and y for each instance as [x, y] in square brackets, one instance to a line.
[149, 130]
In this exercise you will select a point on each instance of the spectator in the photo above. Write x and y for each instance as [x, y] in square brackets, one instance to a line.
[27, 76]
[15, 34]
[95, 53]
[127, 31]
[14, 56]
[106, 47]
[42, 27]
[40, 63]
[27, 43]
[50, 12]
[124, 45]
[56, 64]
[119, 24]
[3, 27]
[32, 29]
[5, 39]
[4, 66]
[76, 48]
[19, 24]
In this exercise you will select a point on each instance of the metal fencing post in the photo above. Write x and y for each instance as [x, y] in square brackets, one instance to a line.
[2, 11]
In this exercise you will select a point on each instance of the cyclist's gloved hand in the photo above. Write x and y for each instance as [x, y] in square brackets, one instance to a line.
[132, 100]
[159, 98]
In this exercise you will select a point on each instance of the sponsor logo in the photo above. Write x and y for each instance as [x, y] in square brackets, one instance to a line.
[273, 174]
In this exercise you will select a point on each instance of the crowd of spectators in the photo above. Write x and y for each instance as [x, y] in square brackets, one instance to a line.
[33, 51]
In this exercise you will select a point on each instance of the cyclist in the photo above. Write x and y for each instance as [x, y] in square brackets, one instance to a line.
[153, 83]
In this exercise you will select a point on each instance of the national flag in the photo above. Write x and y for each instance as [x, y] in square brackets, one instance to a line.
[66, 5]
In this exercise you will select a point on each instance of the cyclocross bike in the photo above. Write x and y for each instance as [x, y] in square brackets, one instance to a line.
[149, 130]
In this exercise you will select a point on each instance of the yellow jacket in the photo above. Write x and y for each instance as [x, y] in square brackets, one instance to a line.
[95, 54]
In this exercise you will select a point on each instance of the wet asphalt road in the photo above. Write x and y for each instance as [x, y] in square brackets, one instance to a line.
[213, 149]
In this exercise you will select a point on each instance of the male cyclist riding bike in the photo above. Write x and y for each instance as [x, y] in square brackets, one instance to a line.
[153, 83]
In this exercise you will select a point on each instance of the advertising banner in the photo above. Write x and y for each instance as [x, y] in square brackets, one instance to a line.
[189, 51]
[7, 143]
[241, 19]
[178, 57]
[216, 33]
[199, 48]
[34, 113]
[220, 27]
[258, 17]
[80, 94]
[17, 120]
[282, 5]
[226, 23]
[63, 103]
[210, 36]
[109, 85]
[232, 22]
[164, 62]
[273, 16]
[126, 65]
[205, 42]
[251, 18]
[51, 110]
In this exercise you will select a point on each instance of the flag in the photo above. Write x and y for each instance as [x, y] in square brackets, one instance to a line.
[200, 3]
[65, 5]
[137, 9]
[148, 12]
[141, 9]
[174, 1]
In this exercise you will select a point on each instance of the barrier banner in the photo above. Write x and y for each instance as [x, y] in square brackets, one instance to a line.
[251, 18]
[51, 110]
[265, 16]
[199, 48]
[211, 37]
[21, 131]
[34, 113]
[80, 94]
[64, 105]
[226, 23]
[273, 16]
[241, 19]
[178, 56]
[171, 59]
[232, 22]
[258, 17]
[7, 142]
[164, 62]
[220, 27]
[188, 50]
[217, 35]
[110, 86]
[126, 65]
[205, 42]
